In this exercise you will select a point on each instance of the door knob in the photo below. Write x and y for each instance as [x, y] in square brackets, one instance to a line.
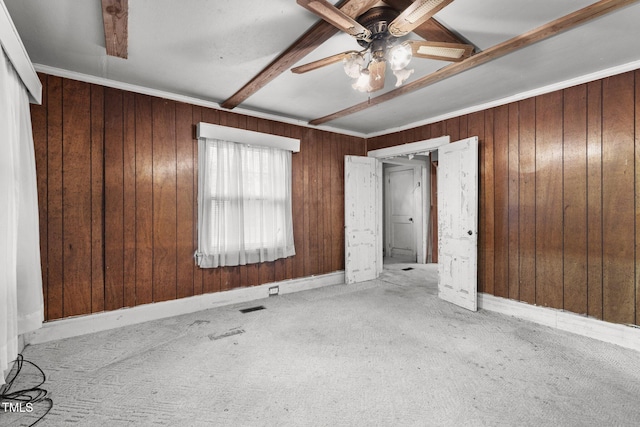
[410, 219]
[469, 232]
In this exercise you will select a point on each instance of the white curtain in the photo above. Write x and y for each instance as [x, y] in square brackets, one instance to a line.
[21, 303]
[244, 204]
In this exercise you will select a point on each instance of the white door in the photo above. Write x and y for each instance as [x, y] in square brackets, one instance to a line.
[362, 205]
[403, 196]
[458, 222]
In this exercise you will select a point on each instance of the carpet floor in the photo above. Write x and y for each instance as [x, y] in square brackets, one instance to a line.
[382, 353]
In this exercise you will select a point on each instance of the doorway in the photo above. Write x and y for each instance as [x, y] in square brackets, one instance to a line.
[405, 209]
[413, 155]
[457, 180]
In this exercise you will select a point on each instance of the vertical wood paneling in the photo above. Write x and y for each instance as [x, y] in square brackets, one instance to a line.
[637, 184]
[549, 212]
[337, 205]
[122, 169]
[501, 200]
[144, 201]
[39, 125]
[575, 199]
[311, 193]
[464, 130]
[437, 129]
[594, 199]
[76, 196]
[527, 201]
[305, 150]
[185, 145]
[453, 128]
[513, 200]
[425, 133]
[564, 240]
[324, 191]
[97, 198]
[476, 127]
[618, 214]
[54, 198]
[129, 198]
[164, 200]
[114, 203]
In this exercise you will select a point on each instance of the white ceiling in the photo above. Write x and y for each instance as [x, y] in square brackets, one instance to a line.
[208, 50]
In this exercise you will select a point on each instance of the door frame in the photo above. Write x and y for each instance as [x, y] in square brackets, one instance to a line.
[419, 168]
[386, 154]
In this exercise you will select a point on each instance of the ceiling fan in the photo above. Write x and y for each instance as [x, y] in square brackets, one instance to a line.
[378, 32]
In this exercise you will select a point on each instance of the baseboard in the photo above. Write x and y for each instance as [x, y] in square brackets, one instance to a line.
[623, 335]
[81, 325]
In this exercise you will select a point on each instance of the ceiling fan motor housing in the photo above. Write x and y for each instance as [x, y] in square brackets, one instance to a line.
[377, 20]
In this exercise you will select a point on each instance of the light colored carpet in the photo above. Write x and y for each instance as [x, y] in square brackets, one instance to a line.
[382, 353]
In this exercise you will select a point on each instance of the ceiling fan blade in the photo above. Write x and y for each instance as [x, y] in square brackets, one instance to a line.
[415, 15]
[377, 70]
[322, 62]
[454, 52]
[337, 18]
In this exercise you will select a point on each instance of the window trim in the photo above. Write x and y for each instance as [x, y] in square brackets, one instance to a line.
[248, 137]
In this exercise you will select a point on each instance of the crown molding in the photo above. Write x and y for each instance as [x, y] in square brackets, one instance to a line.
[608, 72]
[87, 78]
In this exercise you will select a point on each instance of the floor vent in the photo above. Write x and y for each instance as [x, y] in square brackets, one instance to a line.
[407, 269]
[250, 309]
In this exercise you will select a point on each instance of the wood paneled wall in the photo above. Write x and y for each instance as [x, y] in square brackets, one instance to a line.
[559, 196]
[117, 186]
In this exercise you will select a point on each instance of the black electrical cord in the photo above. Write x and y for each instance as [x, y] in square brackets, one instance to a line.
[32, 395]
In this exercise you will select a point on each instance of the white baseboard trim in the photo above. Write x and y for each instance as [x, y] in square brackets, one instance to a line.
[623, 335]
[81, 325]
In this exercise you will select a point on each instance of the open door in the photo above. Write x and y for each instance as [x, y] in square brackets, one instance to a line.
[458, 223]
[362, 208]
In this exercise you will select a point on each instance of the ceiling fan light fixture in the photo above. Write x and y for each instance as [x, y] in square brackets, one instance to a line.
[402, 76]
[353, 65]
[400, 56]
[362, 84]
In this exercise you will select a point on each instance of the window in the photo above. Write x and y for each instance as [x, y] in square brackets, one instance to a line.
[244, 204]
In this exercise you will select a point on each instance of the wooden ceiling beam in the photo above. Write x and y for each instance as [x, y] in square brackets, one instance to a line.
[309, 41]
[550, 29]
[115, 20]
[431, 30]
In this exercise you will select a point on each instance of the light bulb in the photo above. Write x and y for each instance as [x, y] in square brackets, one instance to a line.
[400, 56]
[353, 65]
[402, 76]
[362, 84]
